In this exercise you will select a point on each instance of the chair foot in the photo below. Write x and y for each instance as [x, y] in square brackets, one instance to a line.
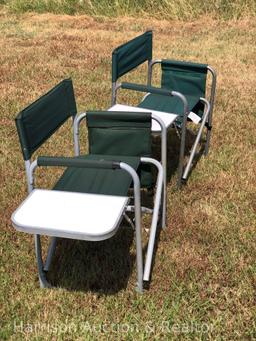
[50, 253]
[139, 288]
[44, 284]
[41, 273]
[146, 285]
[183, 181]
[162, 220]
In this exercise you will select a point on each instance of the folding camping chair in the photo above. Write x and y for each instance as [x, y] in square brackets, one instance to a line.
[90, 199]
[182, 92]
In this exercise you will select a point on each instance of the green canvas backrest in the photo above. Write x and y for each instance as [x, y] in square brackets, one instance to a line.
[185, 77]
[121, 133]
[131, 54]
[37, 122]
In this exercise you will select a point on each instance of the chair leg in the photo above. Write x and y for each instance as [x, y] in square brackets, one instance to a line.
[152, 236]
[42, 278]
[181, 156]
[208, 138]
[50, 253]
[209, 126]
[164, 203]
[139, 258]
[193, 150]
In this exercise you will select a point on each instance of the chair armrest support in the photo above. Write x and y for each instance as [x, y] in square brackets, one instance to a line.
[146, 88]
[77, 120]
[155, 90]
[150, 69]
[156, 211]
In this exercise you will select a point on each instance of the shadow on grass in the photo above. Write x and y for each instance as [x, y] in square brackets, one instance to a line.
[103, 267]
[172, 166]
[173, 149]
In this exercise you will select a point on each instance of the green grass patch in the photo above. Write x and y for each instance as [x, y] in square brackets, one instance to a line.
[204, 276]
[167, 9]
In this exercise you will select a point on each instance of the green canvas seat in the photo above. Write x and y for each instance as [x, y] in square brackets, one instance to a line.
[91, 197]
[182, 90]
[169, 104]
[185, 77]
[98, 181]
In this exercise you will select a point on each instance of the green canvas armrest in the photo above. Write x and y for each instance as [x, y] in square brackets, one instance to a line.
[76, 162]
[146, 88]
[159, 91]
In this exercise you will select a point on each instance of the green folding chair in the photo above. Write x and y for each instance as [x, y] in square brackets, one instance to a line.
[182, 92]
[90, 199]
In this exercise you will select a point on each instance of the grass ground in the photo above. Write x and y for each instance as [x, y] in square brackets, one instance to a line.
[203, 283]
[165, 9]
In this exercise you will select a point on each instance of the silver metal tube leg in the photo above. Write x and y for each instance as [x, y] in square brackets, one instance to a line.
[30, 168]
[193, 150]
[208, 134]
[164, 164]
[209, 129]
[138, 238]
[157, 204]
[137, 203]
[42, 278]
[183, 135]
[50, 253]
[212, 98]
[182, 152]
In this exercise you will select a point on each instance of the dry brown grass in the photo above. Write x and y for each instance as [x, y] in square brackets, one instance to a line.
[165, 9]
[205, 264]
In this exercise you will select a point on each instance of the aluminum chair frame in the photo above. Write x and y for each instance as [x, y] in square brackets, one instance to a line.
[143, 273]
[206, 120]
